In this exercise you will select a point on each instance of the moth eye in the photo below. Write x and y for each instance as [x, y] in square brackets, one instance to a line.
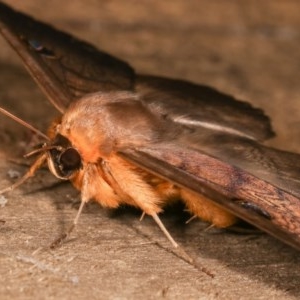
[69, 161]
[38, 47]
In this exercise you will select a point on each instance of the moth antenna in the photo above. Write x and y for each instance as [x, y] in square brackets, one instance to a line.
[60, 240]
[23, 123]
[30, 173]
[164, 229]
[42, 149]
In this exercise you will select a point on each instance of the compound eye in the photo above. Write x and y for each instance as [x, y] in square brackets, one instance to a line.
[69, 160]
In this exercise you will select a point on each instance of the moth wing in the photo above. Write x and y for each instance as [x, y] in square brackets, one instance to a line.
[197, 106]
[256, 183]
[67, 68]
[64, 67]
[280, 168]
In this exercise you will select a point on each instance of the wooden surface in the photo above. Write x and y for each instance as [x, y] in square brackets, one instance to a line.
[246, 48]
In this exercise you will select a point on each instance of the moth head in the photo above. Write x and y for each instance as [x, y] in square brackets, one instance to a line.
[63, 160]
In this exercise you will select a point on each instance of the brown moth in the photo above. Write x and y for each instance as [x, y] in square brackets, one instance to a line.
[144, 140]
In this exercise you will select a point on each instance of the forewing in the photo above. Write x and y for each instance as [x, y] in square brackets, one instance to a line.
[198, 106]
[64, 67]
[267, 201]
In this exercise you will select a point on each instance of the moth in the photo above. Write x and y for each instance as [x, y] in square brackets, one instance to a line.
[127, 138]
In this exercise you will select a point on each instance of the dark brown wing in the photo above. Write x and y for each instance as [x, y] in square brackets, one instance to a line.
[64, 67]
[67, 68]
[280, 168]
[258, 184]
[196, 106]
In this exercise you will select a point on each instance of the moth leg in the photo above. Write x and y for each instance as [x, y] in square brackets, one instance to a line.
[30, 173]
[206, 210]
[64, 236]
[138, 193]
[88, 187]
[164, 229]
[191, 219]
[129, 184]
[209, 227]
[88, 173]
[142, 216]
